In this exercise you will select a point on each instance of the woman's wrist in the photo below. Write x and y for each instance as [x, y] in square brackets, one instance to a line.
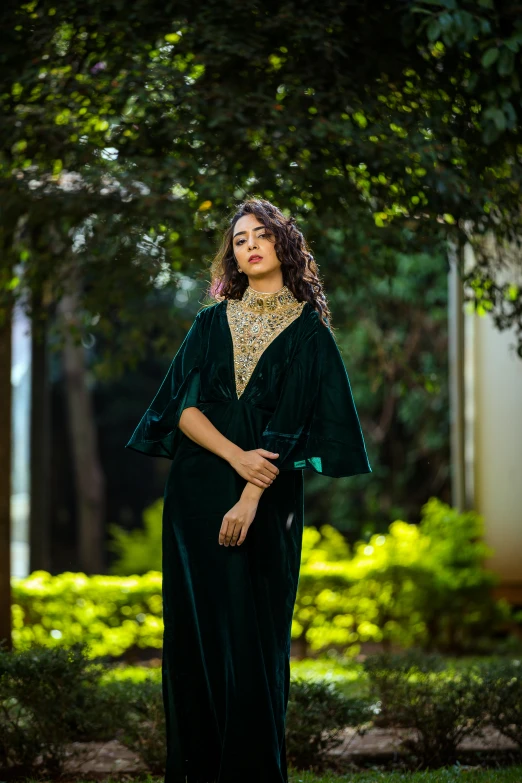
[252, 491]
[231, 451]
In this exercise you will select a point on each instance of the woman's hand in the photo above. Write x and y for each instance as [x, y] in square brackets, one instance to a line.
[254, 467]
[237, 521]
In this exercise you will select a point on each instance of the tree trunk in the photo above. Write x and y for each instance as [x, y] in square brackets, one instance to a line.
[40, 480]
[5, 476]
[89, 478]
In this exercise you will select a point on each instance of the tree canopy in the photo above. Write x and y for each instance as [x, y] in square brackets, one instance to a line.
[128, 131]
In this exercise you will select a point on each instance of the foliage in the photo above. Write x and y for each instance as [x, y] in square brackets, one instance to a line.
[442, 706]
[113, 614]
[125, 674]
[317, 713]
[140, 703]
[502, 681]
[421, 585]
[386, 671]
[52, 698]
[394, 339]
[345, 673]
[139, 551]
[116, 140]
[48, 698]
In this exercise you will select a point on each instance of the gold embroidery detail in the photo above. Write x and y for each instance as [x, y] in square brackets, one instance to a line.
[255, 321]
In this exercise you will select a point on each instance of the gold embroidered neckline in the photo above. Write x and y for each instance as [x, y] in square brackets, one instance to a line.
[261, 301]
[255, 321]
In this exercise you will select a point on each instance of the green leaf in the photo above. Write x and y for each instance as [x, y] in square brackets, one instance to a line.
[445, 21]
[512, 44]
[510, 112]
[489, 57]
[450, 4]
[433, 30]
[490, 133]
[498, 117]
[472, 81]
[512, 292]
[506, 62]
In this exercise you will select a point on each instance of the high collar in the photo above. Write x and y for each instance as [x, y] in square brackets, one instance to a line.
[260, 301]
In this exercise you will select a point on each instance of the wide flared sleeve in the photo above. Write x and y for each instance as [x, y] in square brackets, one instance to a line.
[157, 434]
[315, 425]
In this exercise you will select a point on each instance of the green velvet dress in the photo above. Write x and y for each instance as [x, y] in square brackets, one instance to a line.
[227, 610]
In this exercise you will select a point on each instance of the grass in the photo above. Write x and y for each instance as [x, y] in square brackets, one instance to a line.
[348, 675]
[447, 775]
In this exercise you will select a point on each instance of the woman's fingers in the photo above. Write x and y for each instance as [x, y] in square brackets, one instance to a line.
[259, 482]
[223, 531]
[235, 535]
[228, 532]
[232, 533]
[264, 476]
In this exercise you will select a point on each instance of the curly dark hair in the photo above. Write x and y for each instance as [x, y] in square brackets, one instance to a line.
[300, 272]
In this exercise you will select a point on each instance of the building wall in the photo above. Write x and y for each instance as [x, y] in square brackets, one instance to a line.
[498, 447]
[493, 389]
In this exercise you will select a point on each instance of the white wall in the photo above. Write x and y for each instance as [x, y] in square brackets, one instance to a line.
[497, 434]
[493, 442]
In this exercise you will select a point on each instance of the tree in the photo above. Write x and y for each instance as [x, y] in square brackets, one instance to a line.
[5, 474]
[132, 124]
[125, 136]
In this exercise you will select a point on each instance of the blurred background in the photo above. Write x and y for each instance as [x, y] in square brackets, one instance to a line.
[392, 133]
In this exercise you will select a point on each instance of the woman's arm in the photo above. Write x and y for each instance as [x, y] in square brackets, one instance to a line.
[254, 466]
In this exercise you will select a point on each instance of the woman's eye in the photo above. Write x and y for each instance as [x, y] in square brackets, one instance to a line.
[240, 241]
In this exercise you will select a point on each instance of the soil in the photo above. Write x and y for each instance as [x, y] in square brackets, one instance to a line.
[381, 745]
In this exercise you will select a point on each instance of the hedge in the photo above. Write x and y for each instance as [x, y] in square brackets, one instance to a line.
[418, 585]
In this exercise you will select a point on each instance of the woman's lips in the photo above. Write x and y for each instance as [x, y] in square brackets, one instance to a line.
[255, 259]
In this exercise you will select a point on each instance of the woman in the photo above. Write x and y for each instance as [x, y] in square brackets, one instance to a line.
[256, 394]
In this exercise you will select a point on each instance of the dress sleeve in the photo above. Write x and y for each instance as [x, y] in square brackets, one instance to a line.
[315, 425]
[157, 434]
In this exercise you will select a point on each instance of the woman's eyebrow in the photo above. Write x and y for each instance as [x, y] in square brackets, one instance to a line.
[244, 232]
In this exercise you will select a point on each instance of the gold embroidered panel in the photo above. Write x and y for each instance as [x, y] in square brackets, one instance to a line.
[253, 326]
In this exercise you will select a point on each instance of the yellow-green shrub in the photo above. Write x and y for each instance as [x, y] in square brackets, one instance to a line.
[111, 613]
[419, 585]
[422, 585]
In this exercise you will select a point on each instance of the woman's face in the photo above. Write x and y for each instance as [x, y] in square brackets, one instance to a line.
[250, 239]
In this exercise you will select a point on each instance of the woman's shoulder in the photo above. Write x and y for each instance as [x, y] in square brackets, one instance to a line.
[205, 317]
[311, 318]
[313, 329]
[208, 310]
